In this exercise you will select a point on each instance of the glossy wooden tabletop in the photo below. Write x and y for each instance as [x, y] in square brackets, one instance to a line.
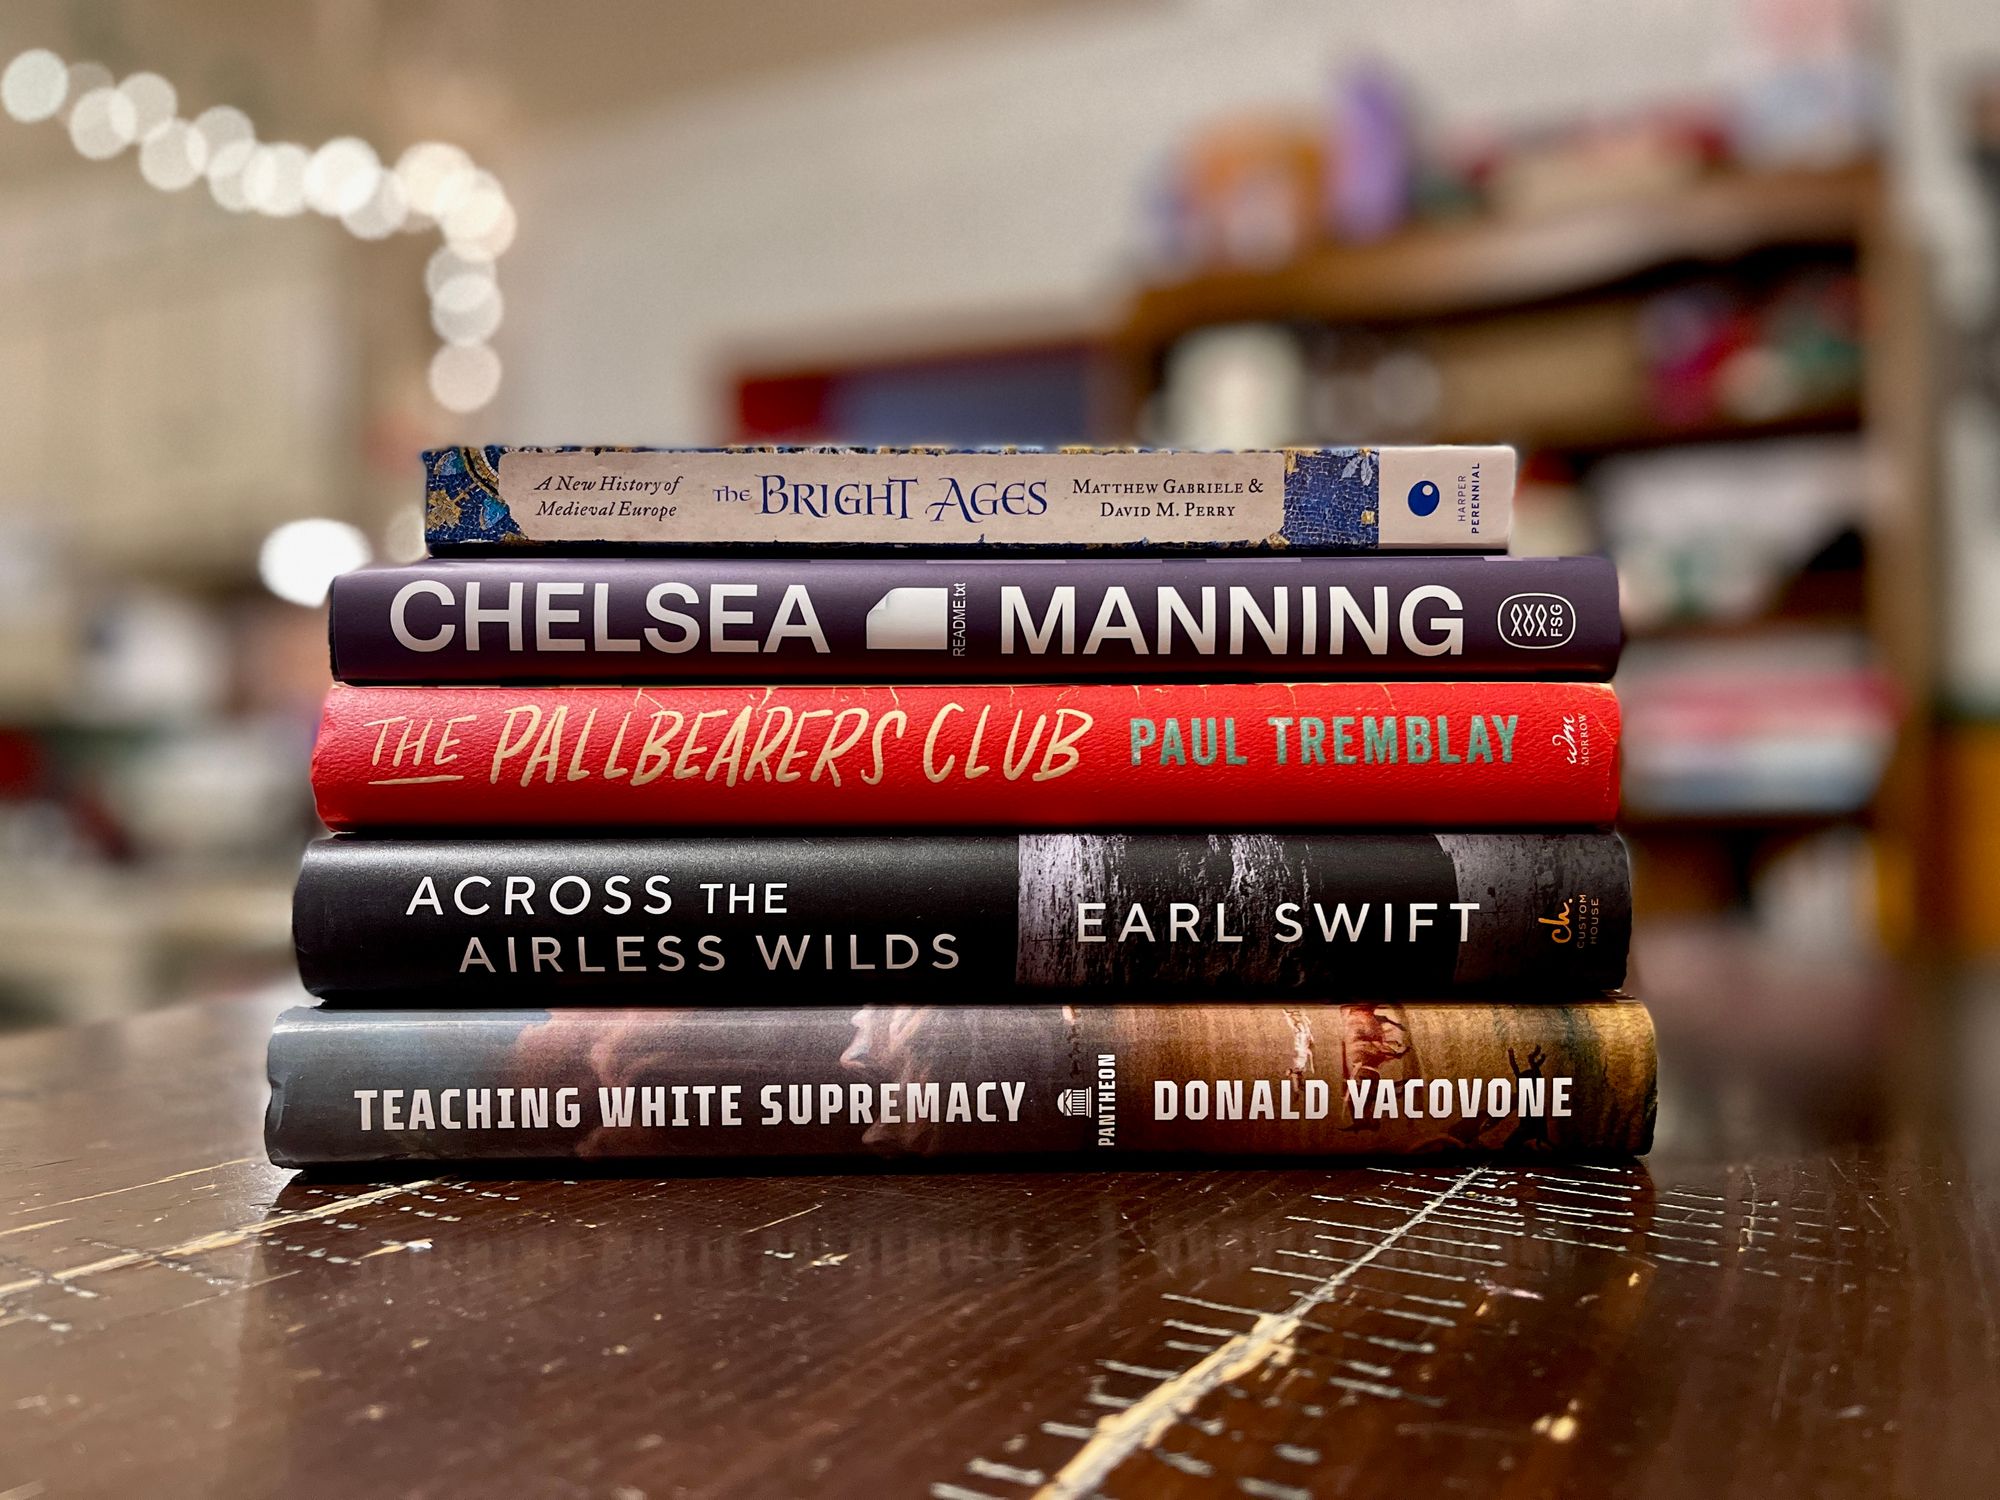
[1799, 1293]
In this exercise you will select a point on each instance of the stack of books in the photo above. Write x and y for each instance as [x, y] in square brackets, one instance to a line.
[1211, 803]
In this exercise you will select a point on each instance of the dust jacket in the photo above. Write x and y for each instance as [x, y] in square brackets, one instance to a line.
[1081, 756]
[531, 617]
[735, 919]
[1094, 1084]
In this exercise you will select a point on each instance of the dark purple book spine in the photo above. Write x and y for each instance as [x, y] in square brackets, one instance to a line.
[684, 619]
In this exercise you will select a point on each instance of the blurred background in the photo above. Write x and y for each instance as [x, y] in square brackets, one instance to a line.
[1723, 269]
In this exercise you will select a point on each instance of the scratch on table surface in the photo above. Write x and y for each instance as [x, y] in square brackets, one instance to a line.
[236, 1290]
[1186, 1327]
[1435, 1239]
[1450, 1276]
[1434, 1301]
[24, 1228]
[1266, 1489]
[1144, 1372]
[1229, 1307]
[785, 1219]
[1867, 1199]
[220, 1240]
[987, 1469]
[393, 1246]
[1142, 1424]
[1341, 1239]
[1416, 1317]
[1584, 1215]
[1750, 1177]
[1378, 1389]
[1458, 1211]
[1611, 1194]
[1401, 1346]
[134, 1187]
[54, 1325]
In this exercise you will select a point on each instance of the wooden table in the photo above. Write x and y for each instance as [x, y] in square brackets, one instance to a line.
[1799, 1293]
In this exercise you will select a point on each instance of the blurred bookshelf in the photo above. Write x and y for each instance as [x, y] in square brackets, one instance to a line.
[1493, 264]
[181, 391]
[1724, 384]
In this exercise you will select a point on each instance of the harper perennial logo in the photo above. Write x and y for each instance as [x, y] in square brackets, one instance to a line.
[1076, 1103]
[1536, 622]
[1424, 497]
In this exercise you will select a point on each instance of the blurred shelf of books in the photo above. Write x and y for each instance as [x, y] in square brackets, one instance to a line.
[1706, 357]
[149, 811]
[190, 393]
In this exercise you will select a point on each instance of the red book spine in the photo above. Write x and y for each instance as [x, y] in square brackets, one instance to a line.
[1241, 755]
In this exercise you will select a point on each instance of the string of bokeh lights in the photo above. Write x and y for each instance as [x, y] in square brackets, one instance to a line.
[432, 185]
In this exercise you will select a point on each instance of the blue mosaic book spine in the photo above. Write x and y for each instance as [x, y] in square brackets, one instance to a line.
[1425, 499]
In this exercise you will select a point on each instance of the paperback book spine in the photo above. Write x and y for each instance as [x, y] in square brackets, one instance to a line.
[529, 618]
[673, 921]
[1090, 756]
[1090, 1083]
[1303, 499]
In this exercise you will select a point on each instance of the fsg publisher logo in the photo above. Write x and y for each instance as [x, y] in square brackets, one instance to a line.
[1537, 622]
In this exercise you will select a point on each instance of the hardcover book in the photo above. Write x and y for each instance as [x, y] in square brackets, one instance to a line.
[525, 617]
[711, 920]
[1304, 499]
[1078, 757]
[1093, 1083]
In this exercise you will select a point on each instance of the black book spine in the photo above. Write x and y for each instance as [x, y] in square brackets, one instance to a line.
[1091, 1083]
[742, 920]
[638, 619]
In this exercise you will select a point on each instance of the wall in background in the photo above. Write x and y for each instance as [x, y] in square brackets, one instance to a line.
[1008, 170]
[177, 380]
